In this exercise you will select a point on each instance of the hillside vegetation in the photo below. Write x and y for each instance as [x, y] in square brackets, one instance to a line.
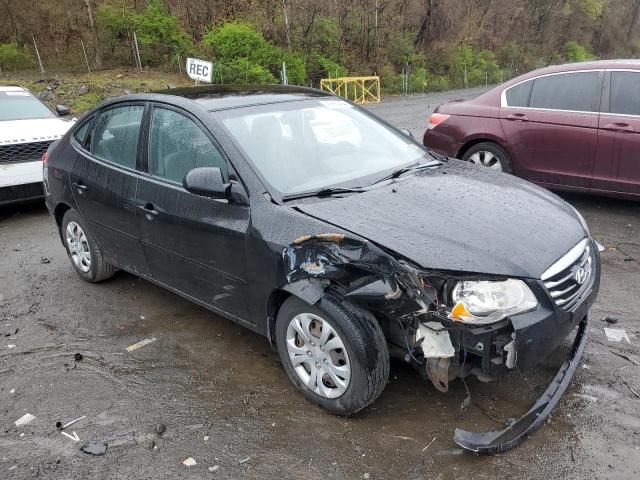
[438, 44]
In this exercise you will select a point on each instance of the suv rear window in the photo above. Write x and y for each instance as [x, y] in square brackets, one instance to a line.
[625, 93]
[568, 91]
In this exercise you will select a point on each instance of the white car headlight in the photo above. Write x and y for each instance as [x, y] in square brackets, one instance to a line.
[482, 302]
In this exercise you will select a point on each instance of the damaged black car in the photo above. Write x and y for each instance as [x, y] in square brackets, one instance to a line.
[338, 237]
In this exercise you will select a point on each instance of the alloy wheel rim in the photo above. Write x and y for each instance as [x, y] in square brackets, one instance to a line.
[78, 247]
[318, 355]
[486, 159]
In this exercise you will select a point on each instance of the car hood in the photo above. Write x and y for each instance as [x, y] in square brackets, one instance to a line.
[27, 131]
[460, 217]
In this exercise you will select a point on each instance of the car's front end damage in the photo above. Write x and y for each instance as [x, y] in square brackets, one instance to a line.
[451, 324]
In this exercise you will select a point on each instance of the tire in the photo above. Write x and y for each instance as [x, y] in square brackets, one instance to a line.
[83, 251]
[367, 353]
[485, 153]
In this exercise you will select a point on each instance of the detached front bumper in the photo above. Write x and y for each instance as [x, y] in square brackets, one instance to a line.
[500, 441]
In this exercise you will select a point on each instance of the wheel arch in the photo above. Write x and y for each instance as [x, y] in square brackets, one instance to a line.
[470, 142]
[58, 213]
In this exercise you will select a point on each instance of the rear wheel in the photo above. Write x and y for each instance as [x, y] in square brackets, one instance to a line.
[333, 352]
[489, 154]
[84, 253]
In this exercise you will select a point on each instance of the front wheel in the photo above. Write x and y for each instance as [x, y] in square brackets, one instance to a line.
[333, 352]
[489, 154]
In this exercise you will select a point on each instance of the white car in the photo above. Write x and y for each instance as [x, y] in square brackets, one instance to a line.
[27, 128]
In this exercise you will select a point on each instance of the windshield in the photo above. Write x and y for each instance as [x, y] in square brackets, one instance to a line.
[310, 145]
[20, 105]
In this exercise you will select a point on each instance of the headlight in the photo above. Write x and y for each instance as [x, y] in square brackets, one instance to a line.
[482, 302]
[582, 220]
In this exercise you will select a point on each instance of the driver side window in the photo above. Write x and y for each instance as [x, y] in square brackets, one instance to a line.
[177, 145]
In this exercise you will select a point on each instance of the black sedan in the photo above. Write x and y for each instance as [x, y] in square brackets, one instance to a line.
[333, 234]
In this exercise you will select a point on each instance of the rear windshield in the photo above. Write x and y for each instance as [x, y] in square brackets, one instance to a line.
[22, 106]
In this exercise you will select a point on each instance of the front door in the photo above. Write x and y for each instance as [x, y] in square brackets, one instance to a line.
[551, 124]
[617, 166]
[193, 244]
[104, 182]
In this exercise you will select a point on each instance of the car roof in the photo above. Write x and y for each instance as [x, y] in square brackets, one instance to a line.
[630, 64]
[219, 97]
[12, 88]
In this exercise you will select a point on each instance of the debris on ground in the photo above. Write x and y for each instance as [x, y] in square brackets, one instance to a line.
[610, 320]
[23, 420]
[68, 424]
[628, 356]
[45, 260]
[141, 343]
[189, 462]
[78, 357]
[616, 334]
[94, 448]
[244, 460]
[206, 438]
[584, 396]
[11, 346]
[429, 444]
[73, 437]
[213, 469]
[161, 428]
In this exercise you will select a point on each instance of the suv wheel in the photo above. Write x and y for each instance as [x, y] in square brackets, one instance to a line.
[84, 253]
[489, 154]
[335, 353]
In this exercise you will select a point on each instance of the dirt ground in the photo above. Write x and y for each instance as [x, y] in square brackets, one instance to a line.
[226, 401]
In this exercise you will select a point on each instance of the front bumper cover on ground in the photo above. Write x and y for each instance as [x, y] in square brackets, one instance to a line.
[500, 441]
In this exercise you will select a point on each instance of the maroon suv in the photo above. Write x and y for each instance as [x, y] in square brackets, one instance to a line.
[567, 127]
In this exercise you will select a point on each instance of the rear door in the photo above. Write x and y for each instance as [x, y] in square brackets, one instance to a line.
[551, 125]
[104, 182]
[194, 244]
[617, 166]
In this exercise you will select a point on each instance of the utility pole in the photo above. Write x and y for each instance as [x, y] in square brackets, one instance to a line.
[38, 54]
[286, 23]
[96, 40]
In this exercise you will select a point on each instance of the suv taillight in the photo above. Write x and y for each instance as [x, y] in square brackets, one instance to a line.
[436, 119]
[45, 158]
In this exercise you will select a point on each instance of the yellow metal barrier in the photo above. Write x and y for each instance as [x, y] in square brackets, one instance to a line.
[356, 89]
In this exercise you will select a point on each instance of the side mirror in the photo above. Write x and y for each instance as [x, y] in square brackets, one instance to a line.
[206, 182]
[62, 111]
[407, 133]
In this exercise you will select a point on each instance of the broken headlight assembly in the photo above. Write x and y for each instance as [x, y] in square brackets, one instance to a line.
[483, 302]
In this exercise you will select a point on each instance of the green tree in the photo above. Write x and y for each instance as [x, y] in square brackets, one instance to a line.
[574, 52]
[13, 58]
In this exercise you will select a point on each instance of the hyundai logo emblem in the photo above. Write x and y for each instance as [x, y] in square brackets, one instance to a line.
[581, 276]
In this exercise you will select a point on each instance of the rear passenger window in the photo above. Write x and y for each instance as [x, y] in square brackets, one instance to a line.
[625, 93]
[569, 91]
[518, 96]
[115, 136]
[177, 145]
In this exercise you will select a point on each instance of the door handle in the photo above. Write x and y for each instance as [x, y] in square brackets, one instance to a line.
[518, 117]
[619, 127]
[80, 187]
[149, 212]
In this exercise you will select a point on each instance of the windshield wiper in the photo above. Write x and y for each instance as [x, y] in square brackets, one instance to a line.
[325, 192]
[416, 167]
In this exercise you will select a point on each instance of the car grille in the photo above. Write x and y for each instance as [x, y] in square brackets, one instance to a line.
[23, 152]
[570, 277]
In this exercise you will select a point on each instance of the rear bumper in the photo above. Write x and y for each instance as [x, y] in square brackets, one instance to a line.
[514, 434]
[21, 193]
[440, 143]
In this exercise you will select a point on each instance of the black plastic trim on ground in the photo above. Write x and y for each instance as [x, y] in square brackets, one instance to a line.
[500, 441]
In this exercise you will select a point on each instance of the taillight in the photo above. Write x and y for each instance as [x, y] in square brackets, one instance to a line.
[436, 119]
[45, 158]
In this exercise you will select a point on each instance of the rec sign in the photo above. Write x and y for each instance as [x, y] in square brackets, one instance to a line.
[199, 70]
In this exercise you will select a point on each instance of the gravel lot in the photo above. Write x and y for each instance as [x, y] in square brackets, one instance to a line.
[227, 403]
